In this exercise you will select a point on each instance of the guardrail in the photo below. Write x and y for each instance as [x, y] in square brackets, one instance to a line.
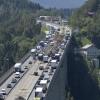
[11, 70]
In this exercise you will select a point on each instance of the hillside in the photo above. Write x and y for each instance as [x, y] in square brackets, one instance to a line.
[87, 20]
[18, 30]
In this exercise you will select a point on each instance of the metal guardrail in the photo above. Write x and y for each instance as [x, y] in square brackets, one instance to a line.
[11, 70]
[7, 74]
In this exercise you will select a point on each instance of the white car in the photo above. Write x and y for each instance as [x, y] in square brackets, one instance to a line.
[3, 91]
[17, 75]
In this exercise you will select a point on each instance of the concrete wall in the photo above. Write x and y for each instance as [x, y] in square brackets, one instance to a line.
[57, 89]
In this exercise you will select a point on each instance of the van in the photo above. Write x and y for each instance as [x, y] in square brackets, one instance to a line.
[39, 92]
[53, 63]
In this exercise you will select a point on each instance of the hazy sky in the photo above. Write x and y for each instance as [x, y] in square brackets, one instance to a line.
[60, 3]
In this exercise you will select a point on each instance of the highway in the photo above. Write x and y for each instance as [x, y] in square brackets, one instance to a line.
[32, 95]
[4, 86]
[26, 85]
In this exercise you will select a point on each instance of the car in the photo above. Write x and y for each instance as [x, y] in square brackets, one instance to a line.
[26, 67]
[14, 80]
[9, 86]
[30, 62]
[22, 71]
[51, 72]
[3, 91]
[44, 90]
[41, 67]
[45, 70]
[47, 67]
[17, 75]
[41, 77]
[36, 73]
[20, 98]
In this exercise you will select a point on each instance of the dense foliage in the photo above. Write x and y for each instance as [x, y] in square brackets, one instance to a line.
[87, 20]
[18, 30]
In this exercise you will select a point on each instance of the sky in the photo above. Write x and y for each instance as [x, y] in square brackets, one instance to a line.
[60, 3]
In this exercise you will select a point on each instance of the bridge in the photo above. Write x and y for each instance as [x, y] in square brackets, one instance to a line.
[43, 77]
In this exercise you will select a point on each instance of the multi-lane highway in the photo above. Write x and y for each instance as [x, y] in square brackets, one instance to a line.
[8, 81]
[27, 83]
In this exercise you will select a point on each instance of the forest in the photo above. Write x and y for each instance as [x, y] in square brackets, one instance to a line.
[18, 30]
[87, 20]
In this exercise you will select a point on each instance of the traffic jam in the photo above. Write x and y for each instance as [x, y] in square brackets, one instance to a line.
[49, 51]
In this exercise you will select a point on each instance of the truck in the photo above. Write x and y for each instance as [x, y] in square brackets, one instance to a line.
[39, 92]
[45, 58]
[44, 83]
[17, 67]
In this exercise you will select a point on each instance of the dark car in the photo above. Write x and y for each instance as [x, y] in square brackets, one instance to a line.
[1, 96]
[45, 70]
[9, 86]
[20, 98]
[41, 67]
[26, 67]
[13, 80]
[36, 73]
[30, 62]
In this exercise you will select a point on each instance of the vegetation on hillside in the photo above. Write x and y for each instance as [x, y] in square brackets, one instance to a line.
[18, 30]
[87, 20]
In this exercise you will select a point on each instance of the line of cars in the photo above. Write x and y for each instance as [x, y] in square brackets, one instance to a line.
[15, 78]
[53, 60]
[37, 53]
[19, 71]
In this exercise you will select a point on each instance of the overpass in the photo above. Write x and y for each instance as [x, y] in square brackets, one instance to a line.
[54, 73]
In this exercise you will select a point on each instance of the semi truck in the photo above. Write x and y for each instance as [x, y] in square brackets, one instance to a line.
[17, 67]
[45, 58]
